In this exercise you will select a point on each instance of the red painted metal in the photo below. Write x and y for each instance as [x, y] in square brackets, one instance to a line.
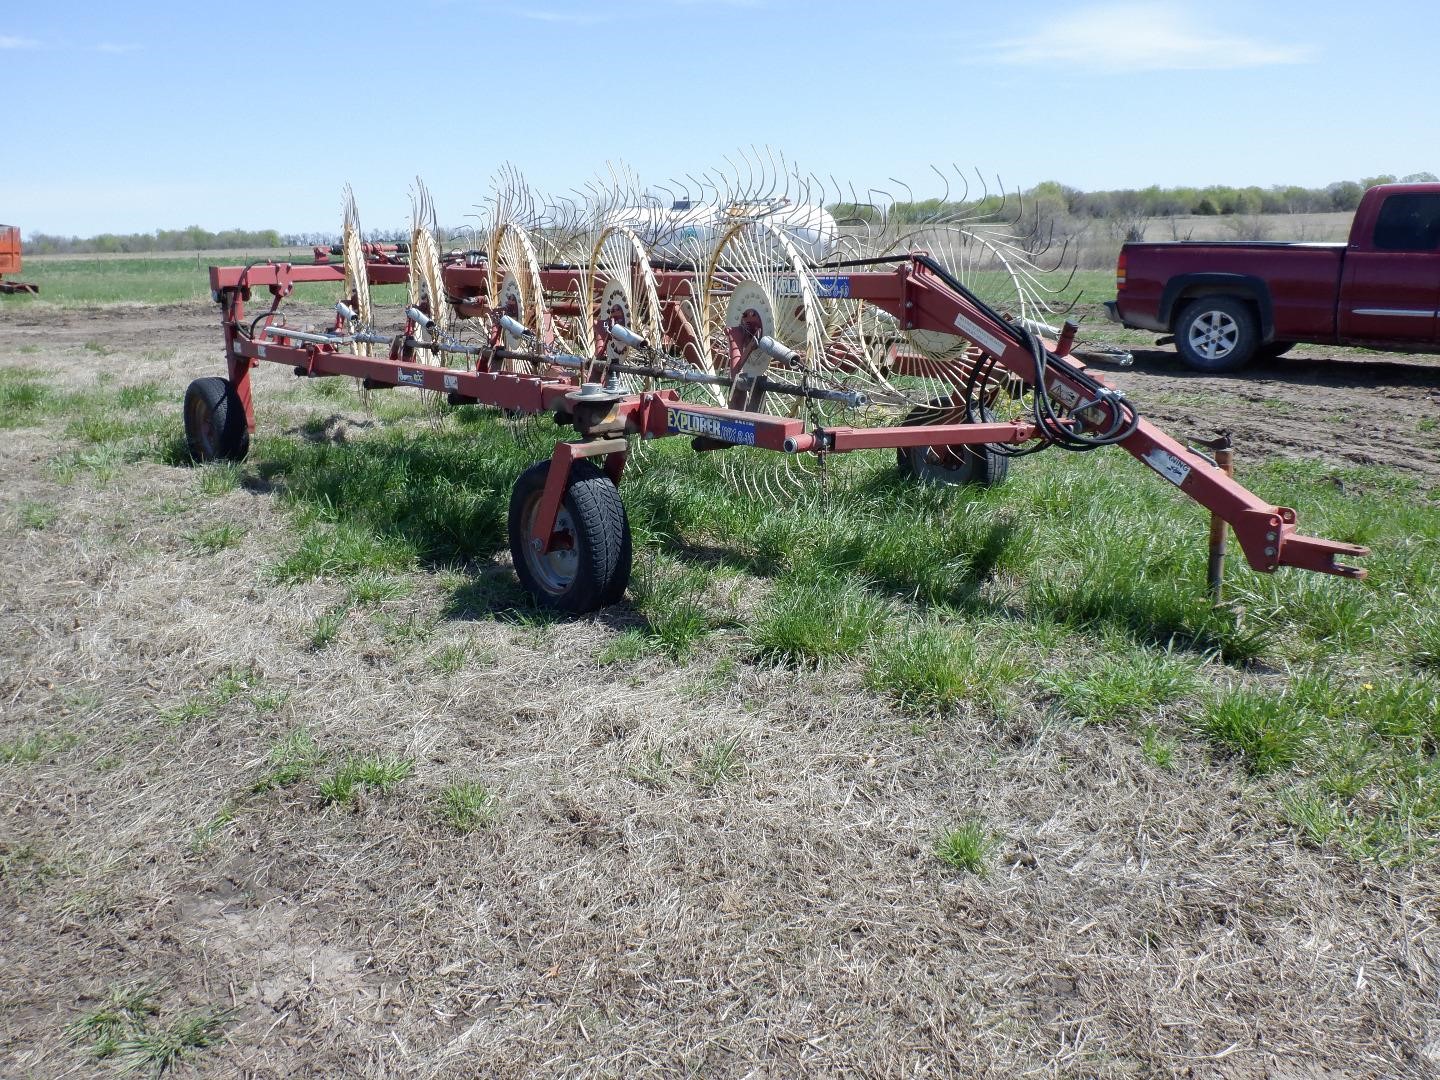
[912, 291]
[542, 530]
[1353, 293]
[10, 261]
[842, 440]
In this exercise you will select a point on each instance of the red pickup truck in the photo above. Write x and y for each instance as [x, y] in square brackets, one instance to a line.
[1226, 303]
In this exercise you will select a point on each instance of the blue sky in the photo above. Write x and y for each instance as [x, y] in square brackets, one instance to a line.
[128, 118]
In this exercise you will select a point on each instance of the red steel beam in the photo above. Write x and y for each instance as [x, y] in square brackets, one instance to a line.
[913, 292]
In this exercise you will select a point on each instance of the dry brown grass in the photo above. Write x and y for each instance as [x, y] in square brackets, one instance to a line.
[625, 915]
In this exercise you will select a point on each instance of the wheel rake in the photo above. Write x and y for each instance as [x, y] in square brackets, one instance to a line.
[753, 308]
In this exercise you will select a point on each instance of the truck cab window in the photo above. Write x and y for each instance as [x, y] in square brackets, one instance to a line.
[1408, 223]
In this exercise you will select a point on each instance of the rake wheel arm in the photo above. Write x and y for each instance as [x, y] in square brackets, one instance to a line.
[930, 299]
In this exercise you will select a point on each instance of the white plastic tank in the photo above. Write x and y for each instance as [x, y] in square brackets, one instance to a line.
[685, 231]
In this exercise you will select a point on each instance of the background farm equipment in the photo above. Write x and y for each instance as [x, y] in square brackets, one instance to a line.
[747, 318]
[10, 261]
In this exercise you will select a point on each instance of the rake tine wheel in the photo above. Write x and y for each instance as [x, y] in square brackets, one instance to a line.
[621, 288]
[357, 278]
[425, 287]
[513, 286]
[756, 311]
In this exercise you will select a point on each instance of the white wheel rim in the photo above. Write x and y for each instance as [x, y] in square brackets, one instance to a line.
[555, 569]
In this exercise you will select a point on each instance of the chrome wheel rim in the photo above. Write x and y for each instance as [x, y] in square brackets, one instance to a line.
[1214, 334]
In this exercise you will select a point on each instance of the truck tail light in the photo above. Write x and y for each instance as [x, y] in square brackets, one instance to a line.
[1120, 272]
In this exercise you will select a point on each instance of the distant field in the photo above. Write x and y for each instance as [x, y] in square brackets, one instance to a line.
[1301, 227]
[213, 255]
[79, 281]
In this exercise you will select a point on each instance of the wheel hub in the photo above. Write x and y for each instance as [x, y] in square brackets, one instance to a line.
[555, 569]
[1214, 335]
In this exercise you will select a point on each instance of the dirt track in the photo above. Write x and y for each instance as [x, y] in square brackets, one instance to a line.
[624, 919]
[1341, 406]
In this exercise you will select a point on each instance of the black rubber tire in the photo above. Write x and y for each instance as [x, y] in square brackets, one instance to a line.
[1217, 334]
[215, 424]
[596, 574]
[1273, 350]
[982, 464]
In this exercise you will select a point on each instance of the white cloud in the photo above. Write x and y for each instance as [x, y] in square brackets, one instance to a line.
[1130, 37]
[18, 43]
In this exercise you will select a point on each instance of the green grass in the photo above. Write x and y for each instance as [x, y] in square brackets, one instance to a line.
[219, 478]
[100, 435]
[407, 629]
[968, 848]
[653, 770]
[142, 396]
[936, 668]
[381, 773]
[469, 806]
[30, 749]
[368, 588]
[155, 1051]
[204, 836]
[23, 751]
[1120, 686]
[1078, 586]
[327, 627]
[719, 763]
[1159, 749]
[1267, 731]
[449, 660]
[817, 621]
[216, 538]
[229, 685]
[24, 398]
[1354, 763]
[343, 551]
[678, 607]
[36, 515]
[292, 759]
[627, 646]
[125, 1013]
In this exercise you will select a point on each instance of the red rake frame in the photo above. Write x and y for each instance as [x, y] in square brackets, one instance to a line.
[914, 290]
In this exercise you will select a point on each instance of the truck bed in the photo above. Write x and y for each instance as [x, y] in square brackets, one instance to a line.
[1302, 279]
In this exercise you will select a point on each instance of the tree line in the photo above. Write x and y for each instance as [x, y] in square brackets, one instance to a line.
[1044, 204]
[1155, 201]
[1150, 202]
[192, 239]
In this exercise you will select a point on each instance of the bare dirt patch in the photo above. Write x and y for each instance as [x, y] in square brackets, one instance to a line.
[1341, 406]
[627, 915]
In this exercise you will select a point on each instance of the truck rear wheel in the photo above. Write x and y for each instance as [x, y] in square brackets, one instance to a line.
[1216, 334]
